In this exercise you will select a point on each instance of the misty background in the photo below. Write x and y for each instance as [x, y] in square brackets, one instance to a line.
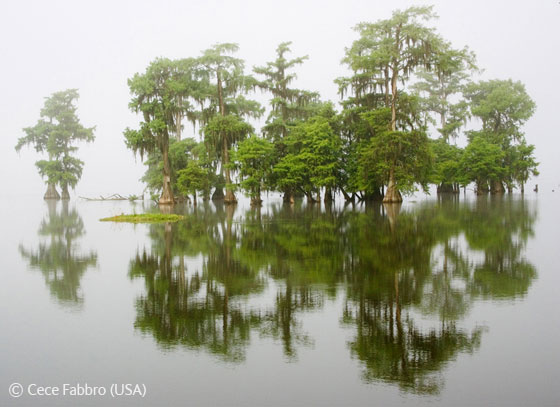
[49, 46]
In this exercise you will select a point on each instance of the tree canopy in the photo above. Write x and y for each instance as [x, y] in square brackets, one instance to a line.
[56, 134]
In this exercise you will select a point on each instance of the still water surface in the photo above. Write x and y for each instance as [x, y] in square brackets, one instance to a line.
[436, 302]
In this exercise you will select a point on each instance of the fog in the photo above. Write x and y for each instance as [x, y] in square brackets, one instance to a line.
[48, 46]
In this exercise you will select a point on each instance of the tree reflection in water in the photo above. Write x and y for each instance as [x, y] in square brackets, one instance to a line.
[58, 256]
[399, 269]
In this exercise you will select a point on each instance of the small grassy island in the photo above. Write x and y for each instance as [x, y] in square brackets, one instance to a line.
[144, 218]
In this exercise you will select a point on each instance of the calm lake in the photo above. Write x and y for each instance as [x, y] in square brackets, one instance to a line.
[451, 302]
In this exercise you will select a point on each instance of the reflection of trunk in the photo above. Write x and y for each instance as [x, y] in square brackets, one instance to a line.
[392, 195]
[285, 315]
[65, 194]
[392, 211]
[51, 193]
[167, 193]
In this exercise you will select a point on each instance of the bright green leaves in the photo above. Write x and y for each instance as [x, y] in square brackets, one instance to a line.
[254, 158]
[287, 104]
[312, 159]
[163, 95]
[192, 178]
[482, 161]
[503, 106]
[407, 153]
[56, 133]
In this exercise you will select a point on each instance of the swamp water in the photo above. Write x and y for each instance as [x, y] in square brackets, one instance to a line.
[435, 302]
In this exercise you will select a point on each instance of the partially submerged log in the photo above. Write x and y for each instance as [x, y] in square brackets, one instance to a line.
[114, 197]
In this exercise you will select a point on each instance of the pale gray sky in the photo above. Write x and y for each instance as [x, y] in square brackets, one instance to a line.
[48, 46]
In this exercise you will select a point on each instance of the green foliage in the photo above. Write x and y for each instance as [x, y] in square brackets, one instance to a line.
[58, 256]
[503, 106]
[312, 159]
[167, 91]
[56, 133]
[387, 53]
[288, 104]
[407, 154]
[144, 218]
[392, 272]
[445, 81]
[226, 83]
[481, 162]
[193, 178]
[524, 164]
[447, 158]
[253, 158]
[222, 132]
[158, 95]
[379, 139]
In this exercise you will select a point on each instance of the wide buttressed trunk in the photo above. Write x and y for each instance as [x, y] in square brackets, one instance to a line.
[497, 188]
[166, 197]
[393, 194]
[218, 194]
[51, 193]
[481, 187]
[230, 197]
[288, 196]
[65, 194]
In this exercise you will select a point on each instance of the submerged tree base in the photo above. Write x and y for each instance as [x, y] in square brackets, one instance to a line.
[51, 193]
[144, 218]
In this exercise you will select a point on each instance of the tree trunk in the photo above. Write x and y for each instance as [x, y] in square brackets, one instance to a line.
[230, 196]
[445, 188]
[392, 211]
[392, 195]
[347, 198]
[481, 187]
[310, 198]
[288, 196]
[497, 187]
[51, 193]
[328, 195]
[65, 194]
[167, 192]
[522, 188]
[178, 119]
[218, 194]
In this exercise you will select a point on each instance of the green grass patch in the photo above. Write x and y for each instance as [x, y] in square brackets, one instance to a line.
[144, 218]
